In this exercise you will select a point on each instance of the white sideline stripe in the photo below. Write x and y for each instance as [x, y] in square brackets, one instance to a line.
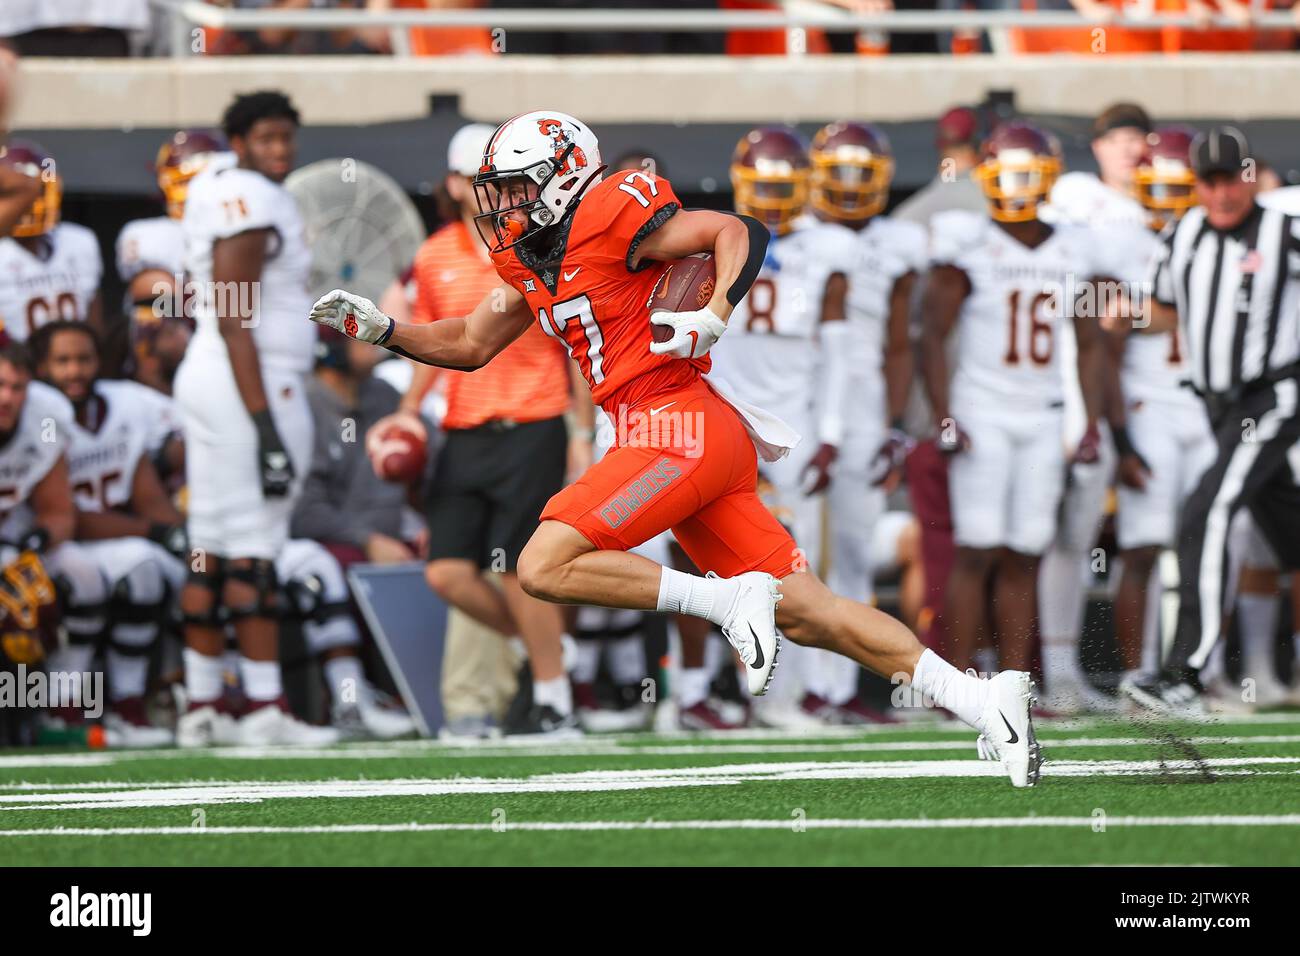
[602, 781]
[949, 823]
[421, 750]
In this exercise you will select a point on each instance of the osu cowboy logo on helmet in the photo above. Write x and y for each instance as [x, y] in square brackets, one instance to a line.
[30, 160]
[536, 168]
[1021, 164]
[770, 173]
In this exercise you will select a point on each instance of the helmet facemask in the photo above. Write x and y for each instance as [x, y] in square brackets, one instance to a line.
[773, 192]
[512, 202]
[1016, 182]
[1166, 188]
[850, 184]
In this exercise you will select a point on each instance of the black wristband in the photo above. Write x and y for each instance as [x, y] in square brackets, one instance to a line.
[388, 333]
[758, 240]
[38, 539]
[1123, 443]
[264, 423]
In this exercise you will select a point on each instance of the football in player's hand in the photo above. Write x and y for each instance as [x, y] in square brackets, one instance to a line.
[685, 286]
[397, 452]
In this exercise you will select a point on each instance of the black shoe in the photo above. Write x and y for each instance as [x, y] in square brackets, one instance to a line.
[1164, 694]
[516, 719]
[543, 720]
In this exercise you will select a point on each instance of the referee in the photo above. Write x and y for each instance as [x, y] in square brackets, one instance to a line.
[1228, 278]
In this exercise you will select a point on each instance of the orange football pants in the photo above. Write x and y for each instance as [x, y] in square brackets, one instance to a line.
[682, 461]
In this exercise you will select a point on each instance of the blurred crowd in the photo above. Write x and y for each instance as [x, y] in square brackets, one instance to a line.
[134, 27]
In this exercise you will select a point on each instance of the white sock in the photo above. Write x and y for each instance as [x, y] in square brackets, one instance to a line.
[261, 679]
[949, 688]
[203, 676]
[709, 598]
[587, 662]
[692, 686]
[346, 680]
[127, 674]
[568, 652]
[556, 692]
[1060, 662]
[626, 656]
[1257, 615]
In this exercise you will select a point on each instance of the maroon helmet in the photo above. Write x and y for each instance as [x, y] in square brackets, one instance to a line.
[1020, 165]
[1164, 180]
[182, 158]
[770, 172]
[852, 169]
[30, 160]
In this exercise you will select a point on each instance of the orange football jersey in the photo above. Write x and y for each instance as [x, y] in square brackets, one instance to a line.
[595, 302]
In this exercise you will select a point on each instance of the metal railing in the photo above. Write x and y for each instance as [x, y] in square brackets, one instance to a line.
[186, 15]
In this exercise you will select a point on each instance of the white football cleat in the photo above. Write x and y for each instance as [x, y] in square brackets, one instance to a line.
[1009, 728]
[751, 627]
[206, 726]
[269, 726]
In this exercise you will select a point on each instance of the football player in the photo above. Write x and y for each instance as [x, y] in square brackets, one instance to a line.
[125, 521]
[853, 167]
[788, 352]
[582, 255]
[1161, 433]
[150, 261]
[247, 424]
[1105, 203]
[37, 513]
[49, 269]
[1006, 280]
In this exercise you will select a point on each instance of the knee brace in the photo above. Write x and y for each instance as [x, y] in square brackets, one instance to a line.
[260, 575]
[134, 623]
[305, 598]
[210, 580]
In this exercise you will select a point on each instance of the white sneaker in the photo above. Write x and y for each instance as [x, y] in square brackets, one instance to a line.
[1269, 691]
[270, 726]
[1009, 728]
[206, 727]
[136, 735]
[751, 627]
[1070, 696]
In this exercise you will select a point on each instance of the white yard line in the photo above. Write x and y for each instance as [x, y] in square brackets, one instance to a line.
[198, 793]
[947, 823]
[407, 750]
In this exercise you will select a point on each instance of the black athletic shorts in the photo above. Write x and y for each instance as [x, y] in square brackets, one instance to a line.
[489, 487]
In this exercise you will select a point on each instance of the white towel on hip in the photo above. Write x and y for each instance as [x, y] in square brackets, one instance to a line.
[771, 436]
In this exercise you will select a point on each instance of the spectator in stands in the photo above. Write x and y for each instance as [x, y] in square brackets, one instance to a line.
[279, 40]
[72, 27]
[343, 506]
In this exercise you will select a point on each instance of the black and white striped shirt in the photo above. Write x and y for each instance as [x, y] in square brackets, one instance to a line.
[1237, 294]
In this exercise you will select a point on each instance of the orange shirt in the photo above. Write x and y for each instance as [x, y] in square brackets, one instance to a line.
[528, 381]
[599, 306]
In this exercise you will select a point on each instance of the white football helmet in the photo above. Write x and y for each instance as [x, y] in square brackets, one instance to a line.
[535, 169]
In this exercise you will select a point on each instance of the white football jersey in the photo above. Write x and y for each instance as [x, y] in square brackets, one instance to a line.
[41, 438]
[36, 290]
[224, 201]
[769, 354]
[1019, 303]
[1083, 199]
[155, 243]
[1154, 366]
[883, 251]
[105, 449]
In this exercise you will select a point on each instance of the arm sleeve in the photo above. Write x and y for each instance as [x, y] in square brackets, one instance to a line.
[833, 387]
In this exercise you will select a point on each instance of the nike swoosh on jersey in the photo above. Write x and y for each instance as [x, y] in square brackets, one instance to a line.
[656, 411]
[568, 276]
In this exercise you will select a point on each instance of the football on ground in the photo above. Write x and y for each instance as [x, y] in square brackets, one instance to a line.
[685, 286]
[398, 453]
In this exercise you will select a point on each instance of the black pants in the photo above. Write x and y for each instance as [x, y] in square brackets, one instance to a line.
[1252, 471]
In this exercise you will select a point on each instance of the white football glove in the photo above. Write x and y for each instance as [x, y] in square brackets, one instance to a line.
[353, 315]
[693, 333]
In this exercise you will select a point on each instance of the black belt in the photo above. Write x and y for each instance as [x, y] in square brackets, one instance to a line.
[1217, 403]
[495, 425]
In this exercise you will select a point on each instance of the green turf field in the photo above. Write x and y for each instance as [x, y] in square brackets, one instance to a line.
[1114, 791]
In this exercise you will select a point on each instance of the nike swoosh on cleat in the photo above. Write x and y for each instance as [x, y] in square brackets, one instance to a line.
[758, 650]
[1015, 738]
